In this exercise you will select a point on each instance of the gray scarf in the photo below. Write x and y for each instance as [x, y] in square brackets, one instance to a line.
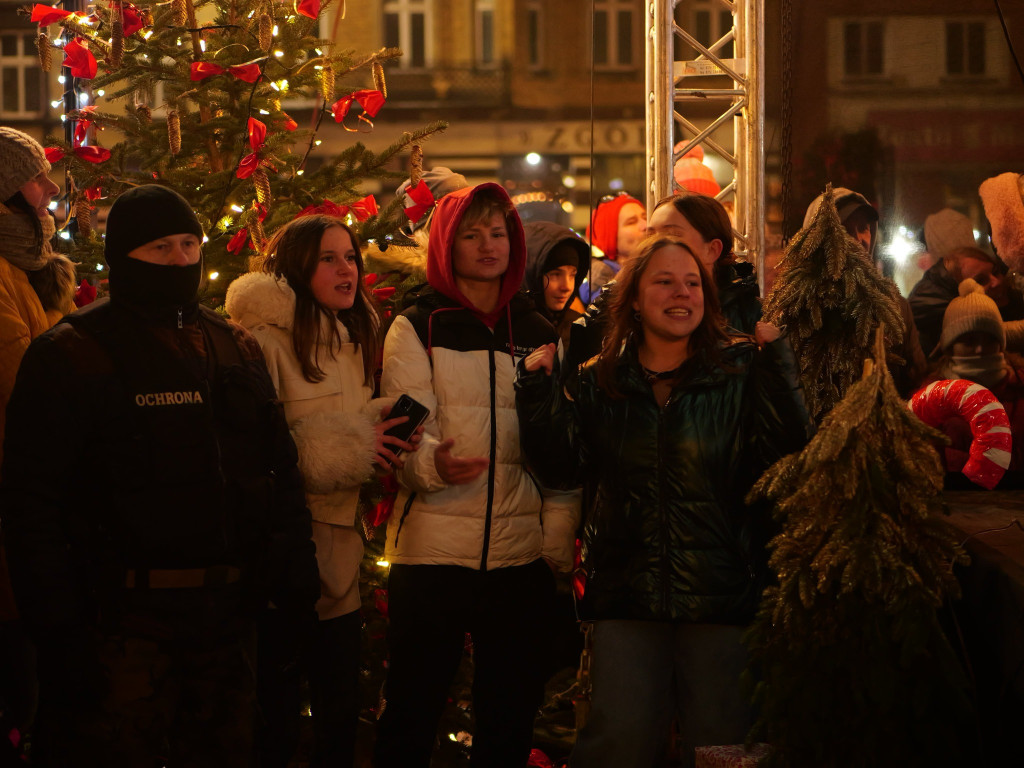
[52, 275]
[988, 370]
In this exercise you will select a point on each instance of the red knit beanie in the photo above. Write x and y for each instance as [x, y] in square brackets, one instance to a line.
[604, 225]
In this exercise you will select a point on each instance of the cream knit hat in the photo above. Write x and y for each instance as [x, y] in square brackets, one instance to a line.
[972, 311]
[946, 231]
[21, 160]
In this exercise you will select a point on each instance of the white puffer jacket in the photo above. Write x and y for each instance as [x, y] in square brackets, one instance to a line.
[332, 421]
[503, 517]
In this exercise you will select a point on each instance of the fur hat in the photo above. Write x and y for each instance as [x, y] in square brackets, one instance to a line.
[947, 230]
[144, 214]
[440, 181]
[604, 224]
[21, 160]
[1001, 196]
[692, 175]
[971, 311]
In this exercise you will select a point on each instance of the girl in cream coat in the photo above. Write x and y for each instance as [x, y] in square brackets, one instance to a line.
[316, 322]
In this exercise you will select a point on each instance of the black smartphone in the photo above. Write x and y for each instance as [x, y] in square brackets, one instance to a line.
[417, 413]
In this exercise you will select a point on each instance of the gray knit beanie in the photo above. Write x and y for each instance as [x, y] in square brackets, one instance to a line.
[947, 230]
[971, 311]
[21, 160]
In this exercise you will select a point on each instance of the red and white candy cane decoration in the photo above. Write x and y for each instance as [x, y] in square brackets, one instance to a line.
[989, 455]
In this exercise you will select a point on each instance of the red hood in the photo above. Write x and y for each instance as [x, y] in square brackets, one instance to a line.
[440, 275]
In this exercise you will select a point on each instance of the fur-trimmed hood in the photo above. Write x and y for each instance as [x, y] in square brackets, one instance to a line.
[406, 259]
[258, 298]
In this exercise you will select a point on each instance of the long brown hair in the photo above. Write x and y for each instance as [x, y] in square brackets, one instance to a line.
[705, 341]
[293, 254]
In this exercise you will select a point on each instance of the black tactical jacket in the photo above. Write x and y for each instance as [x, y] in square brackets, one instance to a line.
[668, 535]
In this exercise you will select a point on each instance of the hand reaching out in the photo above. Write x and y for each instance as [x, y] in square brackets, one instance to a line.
[765, 333]
[541, 357]
[455, 470]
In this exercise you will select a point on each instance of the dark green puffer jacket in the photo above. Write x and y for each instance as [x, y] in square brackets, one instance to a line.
[668, 536]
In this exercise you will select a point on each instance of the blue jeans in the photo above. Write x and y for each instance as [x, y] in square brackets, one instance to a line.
[646, 672]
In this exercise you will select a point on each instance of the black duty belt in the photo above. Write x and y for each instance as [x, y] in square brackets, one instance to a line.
[182, 578]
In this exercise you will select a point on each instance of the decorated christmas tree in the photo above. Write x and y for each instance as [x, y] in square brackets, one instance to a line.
[831, 298]
[853, 666]
[194, 95]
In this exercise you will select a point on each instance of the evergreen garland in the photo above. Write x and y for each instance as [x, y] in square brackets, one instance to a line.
[854, 668]
[831, 298]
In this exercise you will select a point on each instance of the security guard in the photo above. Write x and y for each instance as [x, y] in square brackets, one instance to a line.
[142, 548]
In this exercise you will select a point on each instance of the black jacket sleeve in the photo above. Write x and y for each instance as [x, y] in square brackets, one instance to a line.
[38, 496]
[548, 427]
[782, 422]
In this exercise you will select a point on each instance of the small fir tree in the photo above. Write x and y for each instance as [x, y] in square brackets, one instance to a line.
[854, 668]
[199, 105]
[831, 298]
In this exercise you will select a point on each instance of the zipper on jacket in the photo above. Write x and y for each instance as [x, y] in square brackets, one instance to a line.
[405, 514]
[662, 518]
[490, 469]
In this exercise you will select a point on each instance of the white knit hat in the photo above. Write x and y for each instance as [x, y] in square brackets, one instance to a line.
[1001, 196]
[971, 311]
[946, 231]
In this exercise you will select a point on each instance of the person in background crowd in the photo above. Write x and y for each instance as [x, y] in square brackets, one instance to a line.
[1001, 197]
[556, 265]
[473, 539]
[860, 219]
[973, 345]
[667, 430]
[37, 287]
[616, 226]
[142, 550]
[932, 294]
[702, 223]
[315, 319]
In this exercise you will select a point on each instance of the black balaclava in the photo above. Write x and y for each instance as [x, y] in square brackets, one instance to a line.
[140, 216]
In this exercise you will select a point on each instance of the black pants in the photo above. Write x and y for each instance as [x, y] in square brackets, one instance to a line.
[331, 665]
[431, 608]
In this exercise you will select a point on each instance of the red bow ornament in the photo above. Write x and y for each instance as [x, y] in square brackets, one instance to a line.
[82, 125]
[47, 14]
[361, 209]
[85, 293]
[132, 19]
[79, 60]
[308, 8]
[371, 101]
[237, 243]
[88, 154]
[257, 133]
[249, 73]
[423, 200]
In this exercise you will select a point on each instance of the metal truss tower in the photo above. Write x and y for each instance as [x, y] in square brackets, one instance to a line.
[673, 87]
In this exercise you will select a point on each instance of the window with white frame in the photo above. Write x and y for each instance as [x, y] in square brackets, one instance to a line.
[483, 24]
[535, 34]
[709, 21]
[405, 27]
[21, 78]
[863, 48]
[615, 30]
[965, 48]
